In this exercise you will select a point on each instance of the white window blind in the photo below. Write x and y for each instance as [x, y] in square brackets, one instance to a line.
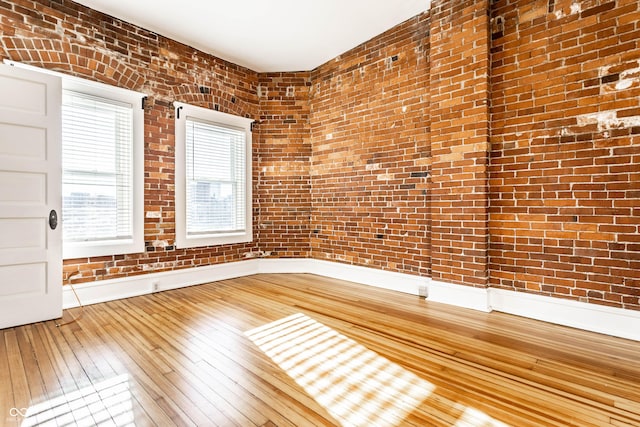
[215, 178]
[97, 157]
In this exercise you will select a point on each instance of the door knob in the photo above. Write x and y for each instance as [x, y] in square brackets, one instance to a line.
[53, 219]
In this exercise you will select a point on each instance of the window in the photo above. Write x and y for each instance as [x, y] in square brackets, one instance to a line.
[100, 213]
[213, 177]
[102, 168]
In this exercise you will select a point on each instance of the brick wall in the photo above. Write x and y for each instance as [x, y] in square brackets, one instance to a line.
[420, 151]
[283, 185]
[370, 153]
[459, 141]
[565, 159]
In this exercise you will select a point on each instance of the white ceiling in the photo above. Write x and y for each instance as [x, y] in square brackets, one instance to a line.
[266, 35]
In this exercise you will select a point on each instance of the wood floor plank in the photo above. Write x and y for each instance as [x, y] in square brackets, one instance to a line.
[235, 381]
[7, 401]
[146, 368]
[234, 353]
[181, 371]
[297, 350]
[141, 405]
[16, 370]
[209, 385]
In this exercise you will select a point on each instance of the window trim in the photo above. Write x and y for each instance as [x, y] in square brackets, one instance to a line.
[184, 111]
[71, 250]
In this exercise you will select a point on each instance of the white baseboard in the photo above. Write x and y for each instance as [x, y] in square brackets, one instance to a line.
[284, 265]
[126, 287]
[459, 295]
[447, 293]
[607, 320]
[391, 280]
[591, 317]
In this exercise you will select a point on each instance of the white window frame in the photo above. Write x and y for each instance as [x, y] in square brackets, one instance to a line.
[110, 247]
[184, 111]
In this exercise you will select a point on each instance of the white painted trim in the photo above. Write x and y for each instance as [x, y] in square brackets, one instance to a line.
[459, 295]
[284, 265]
[126, 287]
[607, 320]
[391, 280]
[447, 293]
[591, 317]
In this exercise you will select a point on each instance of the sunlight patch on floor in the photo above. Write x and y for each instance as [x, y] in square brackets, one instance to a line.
[108, 402]
[355, 385]
[474, 418]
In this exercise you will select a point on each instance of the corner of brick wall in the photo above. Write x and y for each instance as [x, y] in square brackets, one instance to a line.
[459, 114]
[284, 187]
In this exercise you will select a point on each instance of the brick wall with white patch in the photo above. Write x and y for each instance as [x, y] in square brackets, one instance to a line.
[565, 158]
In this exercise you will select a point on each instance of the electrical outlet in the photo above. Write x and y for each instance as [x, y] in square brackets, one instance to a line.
[423, 291]
[155, 286]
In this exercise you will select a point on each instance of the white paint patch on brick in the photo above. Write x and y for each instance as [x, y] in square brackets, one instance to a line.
[160, 243]
[373, 166]
[153, 214]
[593, 118]
[603, 71]
[159, 266]
[629, 77]
[627, 122]
[329, 136]
[575, 8]
[286, 168]
[624, 84]
[608, 120]
[384, 177]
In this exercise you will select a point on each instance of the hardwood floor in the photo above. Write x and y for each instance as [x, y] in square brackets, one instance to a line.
[301, 350]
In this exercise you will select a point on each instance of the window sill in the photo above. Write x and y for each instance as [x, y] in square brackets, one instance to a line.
[107, 248]
[213, 240]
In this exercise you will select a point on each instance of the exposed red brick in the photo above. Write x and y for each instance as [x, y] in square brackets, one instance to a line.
[370, 165]
[572, 159]
[495, 152]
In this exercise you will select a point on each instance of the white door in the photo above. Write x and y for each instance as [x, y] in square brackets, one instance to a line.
[30, 192]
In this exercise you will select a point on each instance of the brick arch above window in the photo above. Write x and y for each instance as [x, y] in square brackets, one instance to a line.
[227, 102]
[73, 59]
